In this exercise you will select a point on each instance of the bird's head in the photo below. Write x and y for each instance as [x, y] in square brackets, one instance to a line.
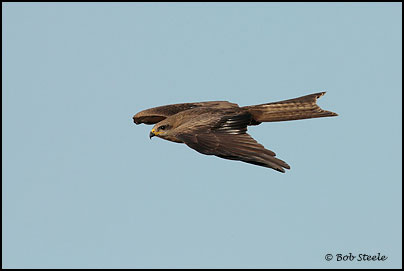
[164, 129]
[161, 129]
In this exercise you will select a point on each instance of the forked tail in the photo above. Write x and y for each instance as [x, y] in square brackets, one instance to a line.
[304, 107]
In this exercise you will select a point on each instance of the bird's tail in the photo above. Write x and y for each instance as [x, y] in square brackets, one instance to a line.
[304, 107]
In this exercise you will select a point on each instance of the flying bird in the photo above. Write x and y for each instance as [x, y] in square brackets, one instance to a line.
[220, 128]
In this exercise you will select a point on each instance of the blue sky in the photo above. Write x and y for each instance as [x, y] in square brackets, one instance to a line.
[85, 187]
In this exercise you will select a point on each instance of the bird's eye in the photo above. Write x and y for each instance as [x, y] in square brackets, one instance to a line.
[162, 127]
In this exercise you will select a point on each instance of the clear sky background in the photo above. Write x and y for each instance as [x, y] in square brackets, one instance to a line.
[85, 187]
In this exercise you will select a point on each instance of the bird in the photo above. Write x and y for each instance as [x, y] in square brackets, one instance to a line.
[220, 127]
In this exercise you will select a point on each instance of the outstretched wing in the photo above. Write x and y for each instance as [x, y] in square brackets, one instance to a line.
[157, 114]
[228, 138]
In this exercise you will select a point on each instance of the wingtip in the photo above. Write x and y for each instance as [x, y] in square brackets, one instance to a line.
[280, 169]
[134, 120]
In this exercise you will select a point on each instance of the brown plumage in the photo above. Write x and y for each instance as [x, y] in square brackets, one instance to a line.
[220, 128]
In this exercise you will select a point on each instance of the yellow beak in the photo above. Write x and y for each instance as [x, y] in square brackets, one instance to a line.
[151, 133]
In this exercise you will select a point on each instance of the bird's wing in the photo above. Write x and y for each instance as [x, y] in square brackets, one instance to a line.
[157, 114]
[228, 138]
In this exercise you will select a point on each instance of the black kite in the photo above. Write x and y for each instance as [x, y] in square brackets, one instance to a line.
[220, 128]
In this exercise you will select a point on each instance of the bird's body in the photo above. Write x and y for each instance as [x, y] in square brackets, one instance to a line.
[220, 128]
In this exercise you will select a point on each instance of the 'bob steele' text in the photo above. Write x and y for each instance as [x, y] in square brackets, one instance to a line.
[361, 257]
